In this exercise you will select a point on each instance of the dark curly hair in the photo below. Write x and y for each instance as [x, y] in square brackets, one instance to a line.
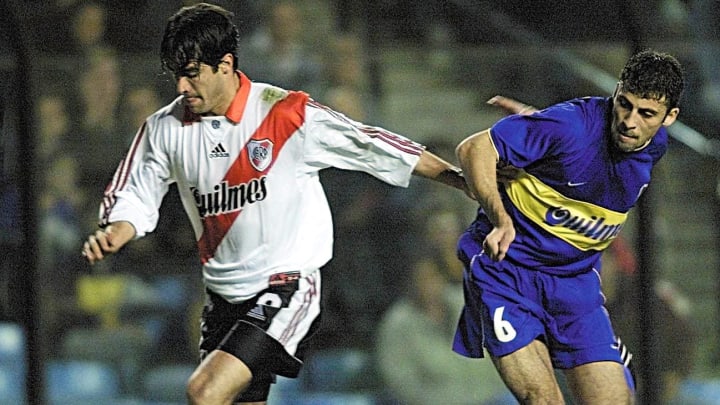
[201, 33]
[655, 75]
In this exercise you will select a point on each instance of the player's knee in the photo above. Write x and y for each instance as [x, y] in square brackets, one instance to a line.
[538, 394]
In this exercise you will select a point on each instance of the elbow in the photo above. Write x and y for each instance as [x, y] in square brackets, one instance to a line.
[464, 150]
[478, 145]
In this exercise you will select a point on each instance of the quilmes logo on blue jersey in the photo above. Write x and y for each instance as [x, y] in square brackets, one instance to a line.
[584, 225]
[594, 227]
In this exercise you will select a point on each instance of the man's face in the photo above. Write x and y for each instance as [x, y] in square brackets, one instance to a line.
[636, 120]
[204, 89]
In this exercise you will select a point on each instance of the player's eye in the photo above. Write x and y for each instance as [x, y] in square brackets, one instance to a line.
[647, 114]
[624, 103]
[191, 74]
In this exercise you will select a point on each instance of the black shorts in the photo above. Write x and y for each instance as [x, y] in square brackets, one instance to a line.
[269, 332]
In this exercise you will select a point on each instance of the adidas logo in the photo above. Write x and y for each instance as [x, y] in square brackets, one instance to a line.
[258, 313]
[219, 151]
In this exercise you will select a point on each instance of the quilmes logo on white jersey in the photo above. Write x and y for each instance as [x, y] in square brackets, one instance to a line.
[226, 198]
[218, 152]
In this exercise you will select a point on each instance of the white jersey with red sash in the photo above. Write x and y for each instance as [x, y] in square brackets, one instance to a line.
[249, 181]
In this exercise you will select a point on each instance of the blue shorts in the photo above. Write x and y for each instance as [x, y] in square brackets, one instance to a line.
[508, 306]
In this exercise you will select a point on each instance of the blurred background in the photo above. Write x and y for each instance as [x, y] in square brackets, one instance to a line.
[79, 77]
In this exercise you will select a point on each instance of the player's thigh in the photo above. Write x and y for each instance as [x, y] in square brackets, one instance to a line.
[529, 374]
[219, 377]
[602, 382]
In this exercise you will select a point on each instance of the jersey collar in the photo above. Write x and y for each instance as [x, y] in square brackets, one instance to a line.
[237, 107]
[235, 112]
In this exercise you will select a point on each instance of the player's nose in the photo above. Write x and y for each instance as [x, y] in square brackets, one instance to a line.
[182, 86]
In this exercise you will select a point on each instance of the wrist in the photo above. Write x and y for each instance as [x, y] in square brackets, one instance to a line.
[453, 176]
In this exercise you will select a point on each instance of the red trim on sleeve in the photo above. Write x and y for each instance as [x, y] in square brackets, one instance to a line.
[120, 178]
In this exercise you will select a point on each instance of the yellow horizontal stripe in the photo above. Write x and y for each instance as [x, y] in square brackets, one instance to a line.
[584, 225]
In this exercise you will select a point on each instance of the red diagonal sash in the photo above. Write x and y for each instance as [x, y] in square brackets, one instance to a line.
[285, 117]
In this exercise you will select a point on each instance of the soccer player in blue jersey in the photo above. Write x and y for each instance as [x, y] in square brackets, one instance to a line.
[532, 256]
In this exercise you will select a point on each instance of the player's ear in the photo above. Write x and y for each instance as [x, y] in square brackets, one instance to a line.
[671, 116]
[226, 63]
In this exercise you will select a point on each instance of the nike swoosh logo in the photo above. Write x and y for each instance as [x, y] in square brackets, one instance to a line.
[574, 184]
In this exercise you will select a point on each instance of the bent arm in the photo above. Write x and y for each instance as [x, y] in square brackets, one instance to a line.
[478, 159]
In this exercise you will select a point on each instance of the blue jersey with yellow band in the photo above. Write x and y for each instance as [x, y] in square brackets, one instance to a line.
[576, 188]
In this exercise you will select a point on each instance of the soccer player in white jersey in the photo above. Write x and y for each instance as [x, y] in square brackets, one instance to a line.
[246, 159]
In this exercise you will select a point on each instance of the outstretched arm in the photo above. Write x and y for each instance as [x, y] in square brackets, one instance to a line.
[478, 159]
[108, 240]
[435, 168]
